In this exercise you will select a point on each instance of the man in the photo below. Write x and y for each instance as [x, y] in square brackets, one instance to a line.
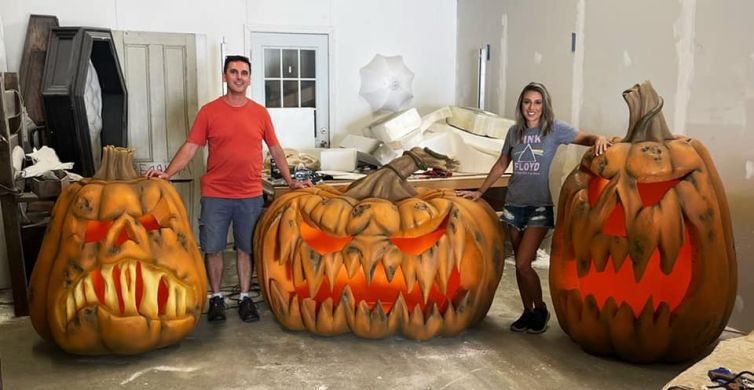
[233, 126]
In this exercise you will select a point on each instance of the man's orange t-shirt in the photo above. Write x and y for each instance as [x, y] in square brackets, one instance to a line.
[234, 136]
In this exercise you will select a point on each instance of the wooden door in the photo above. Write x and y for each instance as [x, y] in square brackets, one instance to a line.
[160, 72]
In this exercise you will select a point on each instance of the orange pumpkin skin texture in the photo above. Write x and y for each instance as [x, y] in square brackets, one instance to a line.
[118, 271]
[332, 264]
[643, 264]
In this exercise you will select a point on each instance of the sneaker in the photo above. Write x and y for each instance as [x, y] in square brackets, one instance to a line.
[522, 323]
[247, 311]
[538, 323]
[216, 310]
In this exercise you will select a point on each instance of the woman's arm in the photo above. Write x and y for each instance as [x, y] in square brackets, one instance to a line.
[496, 171]
[600, 142]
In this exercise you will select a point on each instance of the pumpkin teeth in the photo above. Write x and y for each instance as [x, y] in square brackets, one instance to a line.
[457, 235]
[119, 295]
[416, 319]
[348, 302]
[619, 251]
[309, 313]
[297, 268]
[399, 311]
[313, 268]
[362, 322]
[288, 233]
[671, 234]
[427, 268]
[333, 263]
[352, 260]
[408, 266]
[391, 260]
[600, 251]
[128, 288]
[444, 264]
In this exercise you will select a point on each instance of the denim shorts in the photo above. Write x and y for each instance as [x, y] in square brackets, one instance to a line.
[528, 216]
[216, 216]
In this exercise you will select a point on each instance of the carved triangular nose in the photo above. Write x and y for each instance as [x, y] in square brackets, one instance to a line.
[126, 229]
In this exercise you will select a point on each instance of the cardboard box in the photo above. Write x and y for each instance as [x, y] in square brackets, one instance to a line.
[50, 185]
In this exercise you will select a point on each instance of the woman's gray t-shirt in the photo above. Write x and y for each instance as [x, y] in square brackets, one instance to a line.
[531, 158]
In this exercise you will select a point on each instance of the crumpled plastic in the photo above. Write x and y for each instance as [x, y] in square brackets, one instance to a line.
[45, 159]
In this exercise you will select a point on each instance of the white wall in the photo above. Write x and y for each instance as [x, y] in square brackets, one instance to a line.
[422, 31]
[698, 55]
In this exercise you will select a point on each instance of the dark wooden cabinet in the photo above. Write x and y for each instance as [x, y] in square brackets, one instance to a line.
[63, 85]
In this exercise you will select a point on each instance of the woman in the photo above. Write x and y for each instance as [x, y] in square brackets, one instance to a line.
[528, 212]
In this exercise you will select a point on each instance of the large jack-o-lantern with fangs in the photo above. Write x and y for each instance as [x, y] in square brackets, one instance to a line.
[380, 258]
[643, 265]
[118, 270]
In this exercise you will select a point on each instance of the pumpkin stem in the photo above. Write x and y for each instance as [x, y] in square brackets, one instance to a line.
[389, 182]
[646, 122]
[117, 164]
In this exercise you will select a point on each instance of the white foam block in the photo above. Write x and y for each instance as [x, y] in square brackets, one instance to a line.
[338, 159]
[480, 122]
[362, 144]
[397, 126]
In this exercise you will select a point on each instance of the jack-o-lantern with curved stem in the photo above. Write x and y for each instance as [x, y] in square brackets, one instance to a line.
[643, 264]
[118, 270]
[380, 258]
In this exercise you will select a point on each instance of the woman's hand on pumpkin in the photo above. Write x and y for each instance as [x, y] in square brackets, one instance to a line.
[472, 195]
[601, 145]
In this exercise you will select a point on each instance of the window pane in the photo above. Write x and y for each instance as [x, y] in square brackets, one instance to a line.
[290, 90]
[308, 94]
[307, 64]
[271, 63]
[272, 93]
[290, 64]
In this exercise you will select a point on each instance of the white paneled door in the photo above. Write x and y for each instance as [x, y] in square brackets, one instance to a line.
[290, 74]
[160, 72]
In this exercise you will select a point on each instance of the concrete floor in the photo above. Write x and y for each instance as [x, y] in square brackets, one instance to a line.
[237, 355]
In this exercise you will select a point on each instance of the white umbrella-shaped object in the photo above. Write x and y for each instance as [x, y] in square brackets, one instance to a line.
[386, 83]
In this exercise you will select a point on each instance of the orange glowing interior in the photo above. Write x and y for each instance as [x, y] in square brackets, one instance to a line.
[417, 245]
[320, 241]
[650, 194]
[620, 284]
[380, 289]
[97, 230]
[98, 282]
[384, 291]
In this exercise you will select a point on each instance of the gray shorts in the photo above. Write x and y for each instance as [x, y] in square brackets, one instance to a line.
[528, 216]
[215, 219]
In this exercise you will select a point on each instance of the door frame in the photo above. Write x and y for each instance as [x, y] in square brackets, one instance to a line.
[323, 30]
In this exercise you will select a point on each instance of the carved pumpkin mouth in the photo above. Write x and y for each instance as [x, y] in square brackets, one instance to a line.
[130, 288]
[664, 277]
[418, 278]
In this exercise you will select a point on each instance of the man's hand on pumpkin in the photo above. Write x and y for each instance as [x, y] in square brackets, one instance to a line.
[153, 172]
[472, 195]
[294, 184]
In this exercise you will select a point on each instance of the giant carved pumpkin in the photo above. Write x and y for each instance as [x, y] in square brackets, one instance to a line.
[643, 264]
[118, 270]
[380, 258]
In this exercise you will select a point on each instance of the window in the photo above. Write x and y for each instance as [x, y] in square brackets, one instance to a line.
[289, 78]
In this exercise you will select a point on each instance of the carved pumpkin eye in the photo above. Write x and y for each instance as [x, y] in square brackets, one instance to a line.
[320, 241]
[650, 194]
[418, 245]
[97, 230]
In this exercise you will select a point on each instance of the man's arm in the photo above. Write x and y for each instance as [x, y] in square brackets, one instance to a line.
[279, 155]
[182, 157]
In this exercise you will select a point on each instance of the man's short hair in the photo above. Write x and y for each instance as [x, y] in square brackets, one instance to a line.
[229, 59]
